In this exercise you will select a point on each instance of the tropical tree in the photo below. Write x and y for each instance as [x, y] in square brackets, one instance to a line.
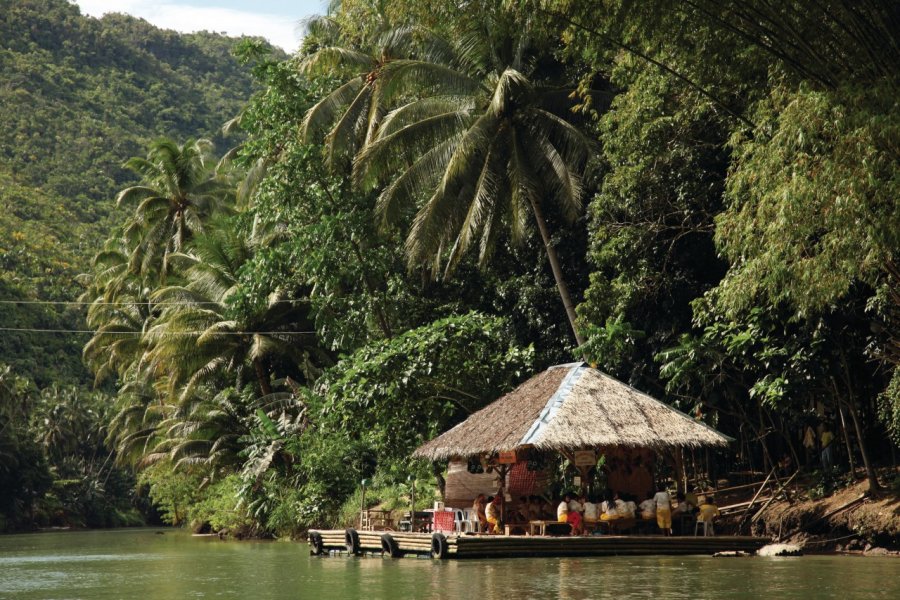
[367, 73]
[484, 145]
[198, 336]
[179, 190]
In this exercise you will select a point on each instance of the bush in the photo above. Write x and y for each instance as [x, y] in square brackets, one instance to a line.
[221, 508]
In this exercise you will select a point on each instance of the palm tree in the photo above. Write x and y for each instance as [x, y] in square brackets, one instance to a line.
[119, 312]
[372, 73]
[483, 148]
[179, 191]
[197, 337]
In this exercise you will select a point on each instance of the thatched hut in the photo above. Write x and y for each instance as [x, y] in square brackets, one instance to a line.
[569, 408]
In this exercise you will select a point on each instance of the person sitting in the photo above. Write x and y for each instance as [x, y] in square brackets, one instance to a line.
[523, 510]
[691, 495]
[630, 506]
[648, 507]
[478, 506]
[575, 504]
[683, 507]
[534, 509]
[609, 506]
[708, 511]
[572, 517]
[492, 514]
[546, 508]
[562, 510]
[623, 506]
[591, 510]
[663, 510]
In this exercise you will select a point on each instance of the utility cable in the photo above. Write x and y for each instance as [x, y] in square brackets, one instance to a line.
[91, 331]
[104, 303]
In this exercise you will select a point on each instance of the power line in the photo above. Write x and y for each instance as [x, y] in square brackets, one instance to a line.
[103, 303]
[91, 331]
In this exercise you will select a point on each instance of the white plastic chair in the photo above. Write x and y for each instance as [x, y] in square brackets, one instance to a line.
[460, 524]
[707, 528]
[471, 520]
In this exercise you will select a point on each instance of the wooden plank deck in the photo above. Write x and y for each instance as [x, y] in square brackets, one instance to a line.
[483, 546]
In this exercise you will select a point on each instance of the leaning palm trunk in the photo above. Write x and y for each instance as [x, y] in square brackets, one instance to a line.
[557, 271]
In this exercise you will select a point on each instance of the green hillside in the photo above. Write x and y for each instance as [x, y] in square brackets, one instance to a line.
[78, 96]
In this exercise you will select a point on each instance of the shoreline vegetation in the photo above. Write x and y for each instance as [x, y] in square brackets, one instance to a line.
[238, 284]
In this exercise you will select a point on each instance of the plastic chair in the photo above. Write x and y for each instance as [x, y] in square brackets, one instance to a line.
[472, 524]
[460, 524]
[707, 528]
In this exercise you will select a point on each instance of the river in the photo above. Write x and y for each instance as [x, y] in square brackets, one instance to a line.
[150, 564]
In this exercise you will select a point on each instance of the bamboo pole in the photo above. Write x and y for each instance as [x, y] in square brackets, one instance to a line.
[775, 495]
[755, 496]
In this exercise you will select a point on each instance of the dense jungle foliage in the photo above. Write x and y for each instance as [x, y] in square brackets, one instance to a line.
[77, 97]
[433, 200]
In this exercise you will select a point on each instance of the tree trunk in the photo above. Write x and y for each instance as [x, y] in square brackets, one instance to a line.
[874, 486]
[438, 472]
[262, 377]
[860, 440]
[847, 440]
[557, 271]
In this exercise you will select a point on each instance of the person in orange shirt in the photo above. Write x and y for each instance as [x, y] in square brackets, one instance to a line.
[492, 512]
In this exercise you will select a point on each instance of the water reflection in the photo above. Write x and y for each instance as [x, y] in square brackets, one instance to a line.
[142, 564]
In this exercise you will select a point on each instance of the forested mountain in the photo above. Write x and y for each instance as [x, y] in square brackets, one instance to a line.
[78, 96]
[432, 200]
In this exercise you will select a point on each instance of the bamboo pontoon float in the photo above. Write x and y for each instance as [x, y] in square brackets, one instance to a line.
[439, 546]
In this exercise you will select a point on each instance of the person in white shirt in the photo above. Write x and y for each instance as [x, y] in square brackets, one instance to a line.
[648, 507]
[575, 505]
[591, 511]
[663, 510]
[565, 514]
[562, 510]
[609, 508]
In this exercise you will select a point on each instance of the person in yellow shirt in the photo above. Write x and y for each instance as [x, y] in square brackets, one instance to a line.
[826, 438]
[708, 509]
[708, 513]
[492, 512]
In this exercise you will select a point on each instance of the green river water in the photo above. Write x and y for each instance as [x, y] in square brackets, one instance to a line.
[144, 564]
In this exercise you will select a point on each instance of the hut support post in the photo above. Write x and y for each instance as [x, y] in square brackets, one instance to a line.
[362, 507]
[680, 473]
[584, 472]
[503, 471]
[412, 512]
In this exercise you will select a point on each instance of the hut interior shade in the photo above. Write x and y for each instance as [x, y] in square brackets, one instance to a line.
[568, 407]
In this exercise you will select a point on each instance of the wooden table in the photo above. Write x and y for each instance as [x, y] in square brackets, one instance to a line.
[541, 526]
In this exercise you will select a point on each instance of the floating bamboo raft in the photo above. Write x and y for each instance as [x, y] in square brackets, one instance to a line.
[467, 546]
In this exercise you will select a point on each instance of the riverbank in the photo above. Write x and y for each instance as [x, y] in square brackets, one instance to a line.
[850, 520]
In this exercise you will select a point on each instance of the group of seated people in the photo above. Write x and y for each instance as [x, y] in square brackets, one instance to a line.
[583, 512]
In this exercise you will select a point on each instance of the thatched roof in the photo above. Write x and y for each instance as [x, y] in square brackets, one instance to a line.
[568, 407]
